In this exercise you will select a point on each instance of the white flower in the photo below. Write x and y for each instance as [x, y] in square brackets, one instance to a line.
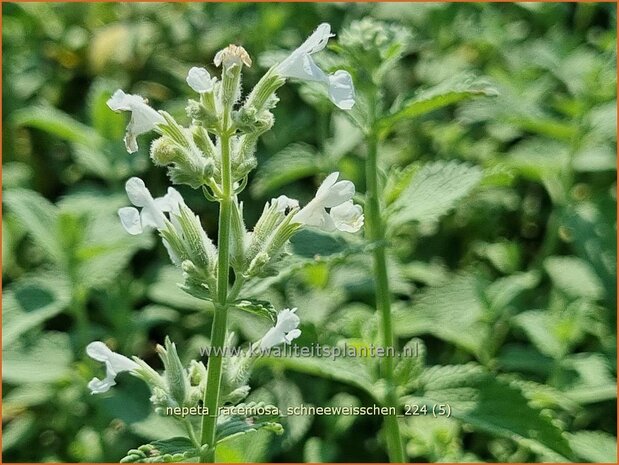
[284, 204]
[143, 117]
[347, 217]
[152, 214]
[285, 330]
[200, 80]
[114, 364]
[300, 65]
[341, 89]
[334, 195]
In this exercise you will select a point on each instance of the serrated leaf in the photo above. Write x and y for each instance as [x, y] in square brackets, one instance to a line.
[40, 217]
[44, 360]
[346, 370]
[503, 291]
[59, 124]
[294, 162]
[432, 192]
[454, 90]
[257, 307]
[453, 311]
[476, 397]
[594, 446]
[594, 382]
[574, 276]
[176, 449]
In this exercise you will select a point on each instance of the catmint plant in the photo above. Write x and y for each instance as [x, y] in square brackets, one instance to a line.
[216, 154]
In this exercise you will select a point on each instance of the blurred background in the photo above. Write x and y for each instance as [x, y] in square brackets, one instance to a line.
[542, 225]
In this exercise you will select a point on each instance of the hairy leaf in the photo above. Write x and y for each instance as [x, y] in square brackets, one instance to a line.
[432, 192]
[257, 307]
[451, 91]
[295, 162]
[39, 217]
[476, 397]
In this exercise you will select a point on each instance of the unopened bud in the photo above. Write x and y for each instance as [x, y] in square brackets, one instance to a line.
[176, 376]
[164, 151]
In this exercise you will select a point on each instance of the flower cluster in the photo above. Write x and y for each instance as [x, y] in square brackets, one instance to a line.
[215, 154]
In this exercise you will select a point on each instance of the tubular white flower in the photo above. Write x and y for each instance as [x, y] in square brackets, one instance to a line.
[347, 217]
[143, 117]
[300, 65]
[285, 329]
[341, 89]
[114, 364]
[331, 194]
[200, 80]
[152, 214]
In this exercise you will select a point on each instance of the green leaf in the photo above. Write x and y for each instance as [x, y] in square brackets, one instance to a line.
[176, 449]
[574, 276]
[594, 446]
[477, 398]
[230, 426]
[285, 394]
[257, 307]
[19, 430]
[106, 250]
[315, 245]
[108, 123]
[594, 380]
[39, 217]
[57, 123]
[165, 290]
[554, 334]
[44, 360]
[453, 311]
[295, 162]
[30, 302]
[351, 371]
[503, 291]
[432, 192]
[449, 92]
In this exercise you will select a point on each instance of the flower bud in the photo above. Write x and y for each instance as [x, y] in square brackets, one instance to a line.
[232, 58]
[257, 264]
[175, 374]
[164, 151]
[238, 237]
[200, 248]
[200, 114]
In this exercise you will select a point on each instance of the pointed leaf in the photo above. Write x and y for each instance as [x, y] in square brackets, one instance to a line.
[432, 192]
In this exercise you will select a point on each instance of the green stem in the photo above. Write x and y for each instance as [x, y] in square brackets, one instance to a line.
[218, 333]
[375, 230]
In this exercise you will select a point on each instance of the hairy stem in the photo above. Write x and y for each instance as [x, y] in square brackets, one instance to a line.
[375, 230]
[218, 333]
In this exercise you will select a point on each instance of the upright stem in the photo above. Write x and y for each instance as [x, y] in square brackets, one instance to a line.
[218, 333]
[375, 230]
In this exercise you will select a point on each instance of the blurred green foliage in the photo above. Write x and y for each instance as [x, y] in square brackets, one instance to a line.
[512, 292]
